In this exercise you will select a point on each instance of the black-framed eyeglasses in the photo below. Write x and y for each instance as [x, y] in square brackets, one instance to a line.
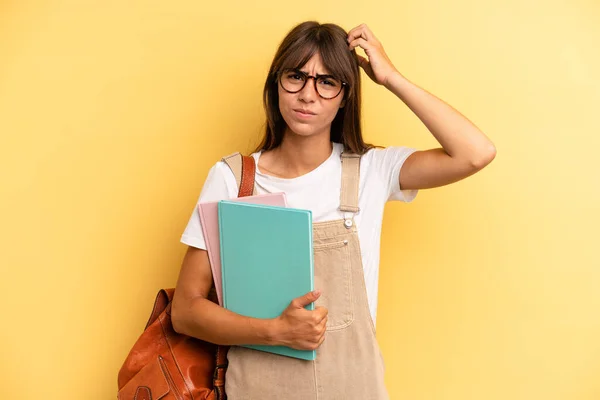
[293, 80]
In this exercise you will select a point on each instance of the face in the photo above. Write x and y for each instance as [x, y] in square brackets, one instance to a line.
[323, 110]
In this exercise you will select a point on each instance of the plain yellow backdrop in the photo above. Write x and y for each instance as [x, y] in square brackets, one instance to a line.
[111, 114]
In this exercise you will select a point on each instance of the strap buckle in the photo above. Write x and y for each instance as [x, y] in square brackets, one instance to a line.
[349, 155]
[219, 367]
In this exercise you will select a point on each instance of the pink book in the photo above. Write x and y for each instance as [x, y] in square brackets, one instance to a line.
[209, 219]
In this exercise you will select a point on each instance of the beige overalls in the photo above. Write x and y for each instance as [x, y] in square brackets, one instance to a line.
[349, 365]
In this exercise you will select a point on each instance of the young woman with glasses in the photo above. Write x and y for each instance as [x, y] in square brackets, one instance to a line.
[313, 150]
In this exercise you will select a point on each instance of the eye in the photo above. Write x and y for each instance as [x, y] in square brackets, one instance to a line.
[295, 76]
[328, 81]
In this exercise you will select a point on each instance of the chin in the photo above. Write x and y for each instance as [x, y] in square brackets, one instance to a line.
[303, 132]
[301, 129]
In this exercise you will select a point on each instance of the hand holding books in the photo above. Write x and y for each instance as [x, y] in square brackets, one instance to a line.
[300, 328]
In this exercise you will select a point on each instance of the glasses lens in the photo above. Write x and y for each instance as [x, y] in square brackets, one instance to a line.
[291, 80]
[328, 86]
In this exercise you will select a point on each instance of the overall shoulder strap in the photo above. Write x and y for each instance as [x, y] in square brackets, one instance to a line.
[350, 180]
[243, 168]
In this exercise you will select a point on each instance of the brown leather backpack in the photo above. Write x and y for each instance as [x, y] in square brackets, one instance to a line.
[164, 364]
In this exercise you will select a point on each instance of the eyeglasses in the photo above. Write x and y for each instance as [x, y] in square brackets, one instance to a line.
[293, 80]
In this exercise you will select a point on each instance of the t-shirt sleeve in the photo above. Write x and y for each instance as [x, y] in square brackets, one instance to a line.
[388, 163]
[219, 185]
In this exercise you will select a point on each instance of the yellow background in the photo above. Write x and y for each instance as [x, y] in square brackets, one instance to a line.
[112, 112]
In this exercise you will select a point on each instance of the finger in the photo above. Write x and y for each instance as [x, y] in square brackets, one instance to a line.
[322, 339]
[305, 300]
[362, 61]
[368, 32]
[321, 310]
[356, 34]
[321, 317]
[359, 31]
[323, 325]
[359, 42]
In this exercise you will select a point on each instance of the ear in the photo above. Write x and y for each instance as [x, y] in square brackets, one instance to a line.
[343, 103]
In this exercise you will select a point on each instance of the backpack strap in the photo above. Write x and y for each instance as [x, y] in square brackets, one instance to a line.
[244, 169]
[350, 180]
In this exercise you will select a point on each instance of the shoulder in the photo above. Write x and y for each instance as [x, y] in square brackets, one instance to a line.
[386, 159]
[381, 167]
[220, 182]
[382, 154]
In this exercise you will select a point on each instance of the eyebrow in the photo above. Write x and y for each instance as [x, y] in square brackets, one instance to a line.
[306, 72]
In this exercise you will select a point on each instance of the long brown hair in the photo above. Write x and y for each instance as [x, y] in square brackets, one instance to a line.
[299, 45]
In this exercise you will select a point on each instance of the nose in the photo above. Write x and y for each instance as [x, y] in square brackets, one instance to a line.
[308, 92]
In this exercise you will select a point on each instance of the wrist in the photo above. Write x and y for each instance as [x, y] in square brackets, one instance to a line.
[272, 332]
[394, 81]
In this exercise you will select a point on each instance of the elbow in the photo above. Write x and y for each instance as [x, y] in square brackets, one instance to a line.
[178, 319]
[484, 157]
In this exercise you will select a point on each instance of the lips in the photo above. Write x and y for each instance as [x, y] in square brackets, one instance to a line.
[308, 112]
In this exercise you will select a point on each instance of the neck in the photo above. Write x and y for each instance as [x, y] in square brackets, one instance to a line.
[299, 155]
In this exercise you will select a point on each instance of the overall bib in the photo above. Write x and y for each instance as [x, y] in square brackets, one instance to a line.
[349, 365]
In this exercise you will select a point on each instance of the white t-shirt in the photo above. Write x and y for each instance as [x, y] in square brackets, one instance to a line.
[319, 192]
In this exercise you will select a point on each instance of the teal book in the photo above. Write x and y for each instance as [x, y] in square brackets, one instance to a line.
[266, 261]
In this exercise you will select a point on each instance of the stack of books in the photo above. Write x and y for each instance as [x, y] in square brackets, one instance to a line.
[261, 256]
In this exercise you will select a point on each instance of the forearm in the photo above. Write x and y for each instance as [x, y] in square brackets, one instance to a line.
[459, 137]
[212, 323]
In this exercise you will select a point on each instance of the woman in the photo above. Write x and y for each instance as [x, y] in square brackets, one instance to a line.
[313, 151]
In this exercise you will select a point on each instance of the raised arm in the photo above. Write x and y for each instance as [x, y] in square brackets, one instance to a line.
[465, 149]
